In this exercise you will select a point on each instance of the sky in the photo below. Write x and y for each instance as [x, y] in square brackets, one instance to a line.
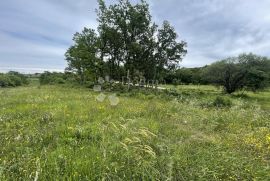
[34, 34]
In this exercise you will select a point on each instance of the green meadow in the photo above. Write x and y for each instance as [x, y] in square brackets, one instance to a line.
[182, 133]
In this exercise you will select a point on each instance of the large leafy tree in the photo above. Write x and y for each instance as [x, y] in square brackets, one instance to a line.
[257, 70]
[81, 57]
[126, 33]
[169, 51]
[127, 40]
[247, 71]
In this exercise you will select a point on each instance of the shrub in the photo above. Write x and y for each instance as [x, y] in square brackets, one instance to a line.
[4, 81]
[15, 80]
[52, 78]
[119, 87]
[247, 71]
[59, 80]
[12, 79]
[175, 82]
[222, 102]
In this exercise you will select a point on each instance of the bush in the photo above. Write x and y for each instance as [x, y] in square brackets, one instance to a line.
[120, 88]
[175, 82]
[222, 102]
[5, 81]
[15, 80]
[247, 71]
[52, 78]
[12, 79]
[59, 80]
[117, 87]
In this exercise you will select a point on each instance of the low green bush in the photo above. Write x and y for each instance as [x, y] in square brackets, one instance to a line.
[52, 78]
[12, 79]
[222, 102]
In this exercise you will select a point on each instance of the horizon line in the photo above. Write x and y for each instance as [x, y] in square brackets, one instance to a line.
[29, 70]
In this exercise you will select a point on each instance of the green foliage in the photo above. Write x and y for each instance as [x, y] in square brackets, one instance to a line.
[169, 51]
[81, 57]
[227, 73]
[257, 71]
[13, 79]
[5, 81]
[186, 76]
[222, 102]
[55, 78]
[247, 71]
[127, 41]
[175, 82]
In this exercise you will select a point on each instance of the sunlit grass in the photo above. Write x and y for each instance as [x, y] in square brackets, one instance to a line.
[263, 98]
[63, 133]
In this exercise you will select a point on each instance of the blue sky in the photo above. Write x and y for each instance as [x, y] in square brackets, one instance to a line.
[34, 34]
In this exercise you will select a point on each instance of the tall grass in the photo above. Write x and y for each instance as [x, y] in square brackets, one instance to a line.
[63, 133]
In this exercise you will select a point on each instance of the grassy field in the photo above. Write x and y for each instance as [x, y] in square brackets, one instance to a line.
[63, 133]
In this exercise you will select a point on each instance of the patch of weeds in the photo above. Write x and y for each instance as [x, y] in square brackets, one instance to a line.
[222, 102]
[46, 118]
[244, 96]
[206, 104]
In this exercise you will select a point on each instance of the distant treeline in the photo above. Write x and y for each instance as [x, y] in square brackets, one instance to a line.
[244, 72]
[13, 79]
[247, 71]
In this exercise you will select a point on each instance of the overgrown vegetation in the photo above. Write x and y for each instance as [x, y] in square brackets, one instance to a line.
[59, 132]
[126, 127]
[245, 72]
[53, 78]
[12, 79]
[222, 102]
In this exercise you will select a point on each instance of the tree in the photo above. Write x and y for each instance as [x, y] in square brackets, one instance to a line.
[247, 71]
[226, 73]
[258, 71]
[81, 57]
[127, 36]
[169, 51]
[184, 75]
[127, 40]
